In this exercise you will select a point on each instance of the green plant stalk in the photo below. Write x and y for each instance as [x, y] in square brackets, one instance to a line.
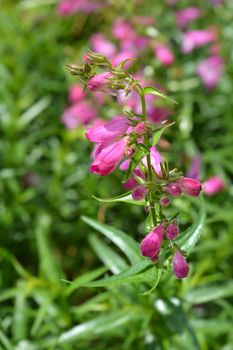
[149, 174]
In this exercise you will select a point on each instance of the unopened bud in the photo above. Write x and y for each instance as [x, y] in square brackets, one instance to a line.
[189, 186]
[150, 245]
[173, 189]
[141, 128]
[164, 201]
[172, 231]
[75, 69]
[180, 265]
[139, 193]
[99, 81]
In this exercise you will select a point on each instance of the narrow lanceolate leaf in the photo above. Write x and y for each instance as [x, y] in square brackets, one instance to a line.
[87, 277]
[113, 261]
[209, 293]
[149, 90]
[34, 111]
[132, 274]
[97, 326]
[189, 239]
[126, 198]
[158, 133]
[126, 243]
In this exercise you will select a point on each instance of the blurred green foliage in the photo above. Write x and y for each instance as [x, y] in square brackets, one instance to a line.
[45, 188]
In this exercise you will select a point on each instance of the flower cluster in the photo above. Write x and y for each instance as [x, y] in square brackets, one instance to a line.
[128, 141]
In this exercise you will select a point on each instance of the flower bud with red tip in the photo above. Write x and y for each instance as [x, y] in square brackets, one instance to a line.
[150, 245]
[180, 265]
[99, 81]
[189, 186]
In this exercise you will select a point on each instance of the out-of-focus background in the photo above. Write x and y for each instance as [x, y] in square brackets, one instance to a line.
[185, 49]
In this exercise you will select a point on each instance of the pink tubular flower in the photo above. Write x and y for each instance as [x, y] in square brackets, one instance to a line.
[80, 113]
[210, 71]
[164, 54]
[76, 93]
[173, 189]
[99, 81]
[99, 43]
[189, 186]
[180, 265]
[172, 231]
[156, 160]
[187, 15]
[213, 185]
[107, 158]
[196, 38]
[150, 245]
[109, 131]
[139, 193]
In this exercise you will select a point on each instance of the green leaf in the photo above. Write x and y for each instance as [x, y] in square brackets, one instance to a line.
[48, 264]
[96, 326]
[112, 260]
[132, 274]
[149, 90]
[190, 238]
[125, 197]
[158, 133]
[126, 243]
[209, 293]
[87, 277]
[158, 276]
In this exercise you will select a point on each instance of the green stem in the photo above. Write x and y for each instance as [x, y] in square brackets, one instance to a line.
[149, 168]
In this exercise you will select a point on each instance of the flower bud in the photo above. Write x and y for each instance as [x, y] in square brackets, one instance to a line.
[180, 265]
[173, 189]
[189, 186]
[141, 128]
[75, 69]
[164, 201]
[139, 193]
[99, 81]
[172, 231]
[150, 245]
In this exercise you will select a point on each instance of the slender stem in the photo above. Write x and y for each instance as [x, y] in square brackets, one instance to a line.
[149, 168]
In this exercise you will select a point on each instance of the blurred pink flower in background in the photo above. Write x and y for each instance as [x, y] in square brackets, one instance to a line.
[183, 17]
[195, 169]
[99, 43]
[210, 71]
[196, 38]
[164, 54]
[76, 93]
[122, 30]
[124, 55]
[67, 7]
[213, 185]
[79, 113]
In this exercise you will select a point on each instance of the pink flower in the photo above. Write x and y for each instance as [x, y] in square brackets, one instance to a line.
[172, 231]
[80, 113]
[195, 169]
[213, 185]
[156, 160]
[122, 30]
[187, 15]
[164, 54]
[180, 265]
[189, 186]
[196, 38]
[124, 55]
[109, 131]
[67, 7]
[158, 114]
[76, 93]
[173, 189]
[139, 193]
[210, 71]
[108, 158]
[99, 81]
[130, 184]
[99, 43]
[150, 245]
